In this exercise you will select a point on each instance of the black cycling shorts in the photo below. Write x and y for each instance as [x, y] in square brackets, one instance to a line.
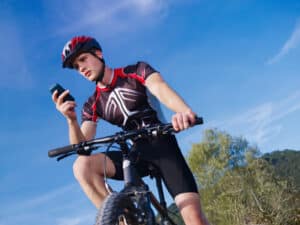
[164, 153]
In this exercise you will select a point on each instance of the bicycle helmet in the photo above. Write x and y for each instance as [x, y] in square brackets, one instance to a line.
[76, 46]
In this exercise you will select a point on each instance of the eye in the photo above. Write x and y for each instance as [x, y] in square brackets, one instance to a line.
[82, 59]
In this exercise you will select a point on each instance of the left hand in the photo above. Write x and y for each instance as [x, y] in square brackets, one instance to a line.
[183, 120]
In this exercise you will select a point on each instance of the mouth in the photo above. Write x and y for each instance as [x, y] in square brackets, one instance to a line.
[87, 73]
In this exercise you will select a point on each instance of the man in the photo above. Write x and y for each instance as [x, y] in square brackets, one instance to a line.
[121, 99]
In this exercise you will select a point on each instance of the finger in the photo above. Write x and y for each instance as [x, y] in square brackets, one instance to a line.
[180, 120]
[175, 123]
[186, 122]
[54, 96]
[192, 118]
[72, 106]
[68, 106]
[61, 97]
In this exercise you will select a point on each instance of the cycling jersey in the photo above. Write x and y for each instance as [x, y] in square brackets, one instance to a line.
[125, 101]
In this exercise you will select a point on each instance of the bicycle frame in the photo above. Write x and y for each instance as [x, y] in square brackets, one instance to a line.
[134, 186]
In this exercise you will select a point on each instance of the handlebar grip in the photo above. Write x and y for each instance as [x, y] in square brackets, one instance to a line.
[199, 120]
[61, 151]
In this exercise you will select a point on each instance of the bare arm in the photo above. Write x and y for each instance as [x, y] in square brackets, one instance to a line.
[86, 132]
[184, 116]
[77, 134]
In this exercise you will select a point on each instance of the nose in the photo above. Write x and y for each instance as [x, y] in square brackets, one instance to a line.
[82, 69]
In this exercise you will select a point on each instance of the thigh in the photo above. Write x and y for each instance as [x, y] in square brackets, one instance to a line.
[175, 171]
[164, 153]
[115, 158]
[96, 163]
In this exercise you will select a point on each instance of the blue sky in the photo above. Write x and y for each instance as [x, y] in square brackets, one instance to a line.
[235, 62]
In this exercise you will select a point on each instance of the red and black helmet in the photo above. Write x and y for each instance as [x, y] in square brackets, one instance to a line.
[75, 46]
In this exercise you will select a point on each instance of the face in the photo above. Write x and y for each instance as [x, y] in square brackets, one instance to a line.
[88, 65]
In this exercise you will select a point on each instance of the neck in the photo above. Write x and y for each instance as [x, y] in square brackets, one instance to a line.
[107, 79]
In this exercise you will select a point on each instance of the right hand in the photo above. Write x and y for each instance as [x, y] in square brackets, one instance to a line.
[183, 120]
[66, 108]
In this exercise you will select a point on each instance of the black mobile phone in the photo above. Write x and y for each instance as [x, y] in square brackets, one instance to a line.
[60, 90]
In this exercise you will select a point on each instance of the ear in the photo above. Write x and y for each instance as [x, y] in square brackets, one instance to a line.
[99, 53]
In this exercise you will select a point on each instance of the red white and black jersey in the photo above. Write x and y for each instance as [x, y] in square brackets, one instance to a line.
[125, 102]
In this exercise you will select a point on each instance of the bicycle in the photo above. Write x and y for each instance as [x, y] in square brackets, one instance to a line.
[132, 205]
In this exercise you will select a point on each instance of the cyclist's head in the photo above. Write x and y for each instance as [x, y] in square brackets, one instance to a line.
[76, 46]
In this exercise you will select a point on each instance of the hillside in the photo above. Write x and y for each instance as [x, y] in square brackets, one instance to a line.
[286, 163]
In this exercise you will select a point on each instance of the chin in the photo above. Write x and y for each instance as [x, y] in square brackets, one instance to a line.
[92, 78]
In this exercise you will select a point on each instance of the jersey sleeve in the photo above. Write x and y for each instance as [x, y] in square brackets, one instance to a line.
[87, 111]
[145, 70]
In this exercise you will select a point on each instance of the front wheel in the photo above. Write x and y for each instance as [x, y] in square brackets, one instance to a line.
[116, 209]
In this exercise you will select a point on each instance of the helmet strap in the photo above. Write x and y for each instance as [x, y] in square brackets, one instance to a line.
[101, 74]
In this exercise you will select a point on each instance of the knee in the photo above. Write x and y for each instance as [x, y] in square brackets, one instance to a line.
[188, 200]
[82, 168]
[190, 208]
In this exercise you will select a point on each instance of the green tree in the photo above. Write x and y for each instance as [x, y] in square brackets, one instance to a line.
[286, 164]
[217, 153]
[236, 186]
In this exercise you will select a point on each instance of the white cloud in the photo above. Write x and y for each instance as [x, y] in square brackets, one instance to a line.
[36, 201]
[261, 125]
[291, 43]
[146, 7]
[66, 205]
[108, 16]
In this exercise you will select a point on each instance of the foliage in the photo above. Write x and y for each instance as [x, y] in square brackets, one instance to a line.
[237, 187]
[286, 164]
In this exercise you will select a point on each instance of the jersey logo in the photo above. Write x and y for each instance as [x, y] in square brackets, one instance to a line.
[119, 100]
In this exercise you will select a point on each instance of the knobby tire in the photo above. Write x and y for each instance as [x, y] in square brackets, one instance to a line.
[114, 207]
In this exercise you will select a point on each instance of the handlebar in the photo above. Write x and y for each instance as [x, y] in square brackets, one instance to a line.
[86, 147]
